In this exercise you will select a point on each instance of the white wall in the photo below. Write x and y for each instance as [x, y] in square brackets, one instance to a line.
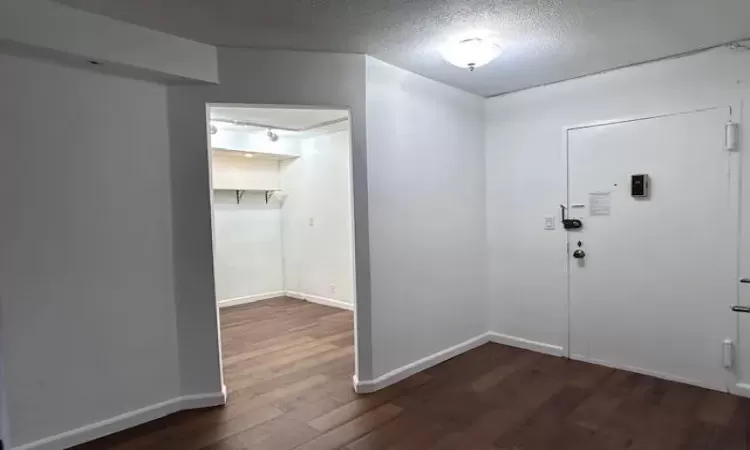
[88, 322]
[425, 146]
[234, 171]
[108, 275]
[71, 35]
[423, 171]
[317, 218]
[526, 177]
[313, 221]
[254, 77]
[92, 252]
[247, 252]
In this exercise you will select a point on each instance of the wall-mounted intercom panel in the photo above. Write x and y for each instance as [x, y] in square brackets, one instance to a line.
[639, 185]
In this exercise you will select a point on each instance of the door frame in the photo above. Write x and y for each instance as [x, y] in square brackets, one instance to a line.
[353, 237]
[735, 114]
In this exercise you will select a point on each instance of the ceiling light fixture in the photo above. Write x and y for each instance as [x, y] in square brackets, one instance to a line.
[471, 53]
[248, 155]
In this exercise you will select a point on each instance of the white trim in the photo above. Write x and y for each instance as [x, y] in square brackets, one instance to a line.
[403, 372]
[320, 300]
[123, 421]
[641, 117]
[275, 294]
[209, 400]
[513, 341]
[250, 299]
[741, 389]
[651, 373]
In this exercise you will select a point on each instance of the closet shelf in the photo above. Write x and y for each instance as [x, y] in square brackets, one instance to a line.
[241, 192]
[256, 154]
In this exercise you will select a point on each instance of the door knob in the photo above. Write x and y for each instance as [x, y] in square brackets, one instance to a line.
[579, 254]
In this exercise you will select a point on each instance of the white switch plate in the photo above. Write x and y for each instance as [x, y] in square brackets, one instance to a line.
[549, 223]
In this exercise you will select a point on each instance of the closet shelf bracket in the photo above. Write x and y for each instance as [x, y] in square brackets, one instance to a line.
[268, 196]
[239, 194]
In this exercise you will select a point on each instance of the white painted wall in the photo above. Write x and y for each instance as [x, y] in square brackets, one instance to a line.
[423, 170]
[229, 171]
[526, 178]
[317, 219]
[88, 321]
[313, 221]
[425, 147]
[421, 218]
[93, 223]
[69, 34]
[254, 77]
[248, 252]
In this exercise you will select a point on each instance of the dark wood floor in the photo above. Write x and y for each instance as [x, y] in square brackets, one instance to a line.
[288, 367]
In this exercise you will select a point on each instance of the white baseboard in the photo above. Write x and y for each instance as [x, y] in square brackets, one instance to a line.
[123, 421]
[394, 376]
[250, 299]
[197, 401]
[298, 295]
[513, 341]
[651, 373]
[320, 300]
[367, 386]
[741, 389]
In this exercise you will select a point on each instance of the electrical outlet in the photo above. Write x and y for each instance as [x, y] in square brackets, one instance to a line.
[549, 223]
[333, 289]
[311, 221]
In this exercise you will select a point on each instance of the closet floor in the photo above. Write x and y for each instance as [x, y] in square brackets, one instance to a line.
[288, 367]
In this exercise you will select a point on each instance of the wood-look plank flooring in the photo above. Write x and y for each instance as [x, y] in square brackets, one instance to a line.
[289, 365]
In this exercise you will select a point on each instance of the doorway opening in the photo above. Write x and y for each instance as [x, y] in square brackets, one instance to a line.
[283, 246]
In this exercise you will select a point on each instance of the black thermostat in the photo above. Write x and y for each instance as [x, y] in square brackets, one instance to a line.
[639, 185]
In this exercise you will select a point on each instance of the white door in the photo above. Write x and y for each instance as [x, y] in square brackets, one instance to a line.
[653, 292]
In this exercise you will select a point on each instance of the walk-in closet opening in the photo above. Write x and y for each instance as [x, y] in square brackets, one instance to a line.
[282, 245]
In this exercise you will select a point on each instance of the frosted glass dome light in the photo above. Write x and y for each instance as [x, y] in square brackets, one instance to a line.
[471, 53]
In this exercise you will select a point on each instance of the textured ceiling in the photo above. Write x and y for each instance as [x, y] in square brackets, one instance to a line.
[296, 119]
[544, 40]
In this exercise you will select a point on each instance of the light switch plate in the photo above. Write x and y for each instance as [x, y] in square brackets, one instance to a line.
[549, 223]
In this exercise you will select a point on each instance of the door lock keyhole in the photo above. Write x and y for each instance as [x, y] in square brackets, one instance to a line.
[579, 253]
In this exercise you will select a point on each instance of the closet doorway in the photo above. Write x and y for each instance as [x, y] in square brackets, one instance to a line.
[283, 249]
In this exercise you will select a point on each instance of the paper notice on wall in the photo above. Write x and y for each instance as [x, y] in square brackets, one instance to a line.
[599, 203]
